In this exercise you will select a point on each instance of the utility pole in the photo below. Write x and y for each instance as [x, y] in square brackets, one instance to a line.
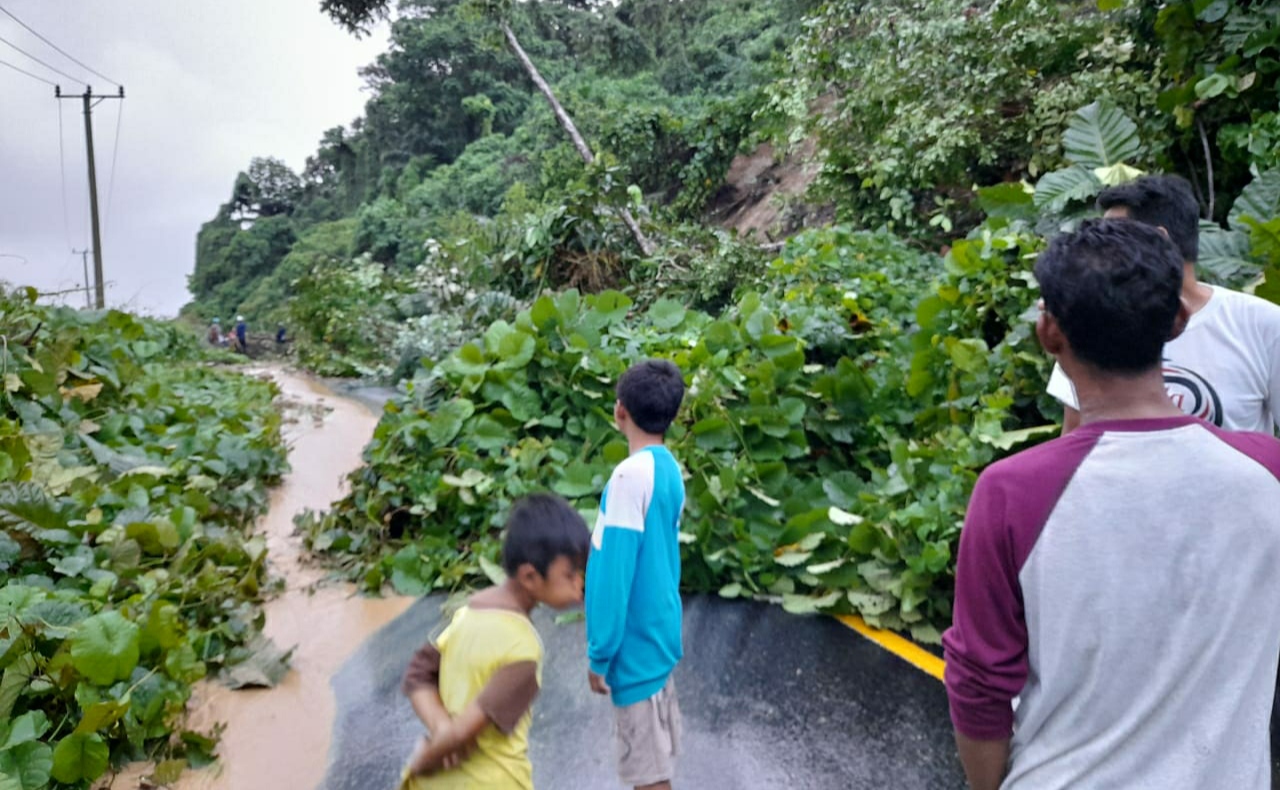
[84, 258]
[89, 104]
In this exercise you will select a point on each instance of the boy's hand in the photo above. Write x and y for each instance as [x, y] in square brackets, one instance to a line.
[597, 683]
[441, 751]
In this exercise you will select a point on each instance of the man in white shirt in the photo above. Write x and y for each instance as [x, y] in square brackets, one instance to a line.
[1225, 365]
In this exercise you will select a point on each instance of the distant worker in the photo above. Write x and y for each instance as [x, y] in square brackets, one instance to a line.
[215, 333]
[280, 335]
[241, 330]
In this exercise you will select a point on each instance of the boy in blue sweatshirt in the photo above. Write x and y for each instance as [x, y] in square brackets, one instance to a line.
[633, 580]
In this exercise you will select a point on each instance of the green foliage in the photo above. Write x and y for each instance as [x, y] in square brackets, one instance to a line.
[811, 479]
[129, 476]
[920, 100]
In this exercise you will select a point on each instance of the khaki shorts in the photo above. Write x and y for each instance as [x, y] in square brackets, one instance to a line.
[647, 735]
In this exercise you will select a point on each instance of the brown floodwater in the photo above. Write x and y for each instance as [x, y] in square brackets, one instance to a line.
[279, 738]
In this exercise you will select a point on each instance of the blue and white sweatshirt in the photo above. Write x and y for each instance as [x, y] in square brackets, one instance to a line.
[633, 577]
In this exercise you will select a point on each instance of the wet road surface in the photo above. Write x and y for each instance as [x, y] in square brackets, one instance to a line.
[770, 700]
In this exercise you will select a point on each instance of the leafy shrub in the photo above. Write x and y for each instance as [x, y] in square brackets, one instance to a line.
[811, 479]
[129, 478]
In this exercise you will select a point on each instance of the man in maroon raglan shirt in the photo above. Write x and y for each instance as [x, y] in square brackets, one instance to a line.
[1120, 581]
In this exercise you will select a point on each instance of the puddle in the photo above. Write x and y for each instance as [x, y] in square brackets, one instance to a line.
[279, 738]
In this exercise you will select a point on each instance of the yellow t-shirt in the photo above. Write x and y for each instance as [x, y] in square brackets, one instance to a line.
[477, 643]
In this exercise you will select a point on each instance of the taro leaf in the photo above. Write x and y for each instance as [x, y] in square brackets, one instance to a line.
[448, 419]
[515, 350]
[492, 570]
[181, 664]
[105, 648]
[467, 361]
[489, 434]
[667, 314]
[926, 634]
[15, 599]
[1260, 200]
[544, 313]
[731, 590]
[26, 767]
[610, 306]
[102, 714]
[26, 508]
[16, 678]
[80, 757]
[810, 604]
[714, 433]
[1013, 200]
[1059, 189]
[119, 462]
[578, 480]
[1264, 238]
[265, 667]
[57, 614]
[407, 568]
[23, 729]
[871, 603]
[1224, 256]
[1099, 135]
[9, 551]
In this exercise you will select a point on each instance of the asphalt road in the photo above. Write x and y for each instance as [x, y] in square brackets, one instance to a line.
[770, 700]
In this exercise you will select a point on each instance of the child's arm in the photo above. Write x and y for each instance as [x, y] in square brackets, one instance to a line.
[422, 686]
[449, 744]
[502, 703]
[611, 569]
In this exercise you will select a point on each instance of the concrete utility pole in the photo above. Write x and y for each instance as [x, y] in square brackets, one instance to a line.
[89, 104]
[84, 258]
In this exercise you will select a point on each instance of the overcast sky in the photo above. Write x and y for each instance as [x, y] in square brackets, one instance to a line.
[208, 83]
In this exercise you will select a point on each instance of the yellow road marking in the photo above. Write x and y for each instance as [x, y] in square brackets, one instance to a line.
[905, 649]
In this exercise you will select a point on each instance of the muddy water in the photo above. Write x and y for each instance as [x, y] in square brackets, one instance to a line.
[279, 738]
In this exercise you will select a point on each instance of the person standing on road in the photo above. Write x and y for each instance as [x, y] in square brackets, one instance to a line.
[634, 613]
[1120, 579]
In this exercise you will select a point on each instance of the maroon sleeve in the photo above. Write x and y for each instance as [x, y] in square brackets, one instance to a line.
[1263, 449]
[986, 645]
[424, 670]
[509, 694]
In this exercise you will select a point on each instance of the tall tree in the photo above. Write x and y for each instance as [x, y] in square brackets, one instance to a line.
[356, 15]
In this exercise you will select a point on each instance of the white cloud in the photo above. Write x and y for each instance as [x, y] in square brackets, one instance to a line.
[210, 84]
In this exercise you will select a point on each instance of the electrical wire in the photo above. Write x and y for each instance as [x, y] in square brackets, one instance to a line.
[29, 74]
[111, 180]
[3, 40]
[62, 169]
[79, 63]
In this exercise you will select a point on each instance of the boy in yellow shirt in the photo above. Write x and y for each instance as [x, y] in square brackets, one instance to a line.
[474, 686]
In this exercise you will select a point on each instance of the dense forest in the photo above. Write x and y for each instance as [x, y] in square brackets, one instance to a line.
[825, 212]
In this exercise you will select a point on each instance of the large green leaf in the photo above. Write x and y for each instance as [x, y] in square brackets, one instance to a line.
[26, 508]
[1260, 200]
[26, 767]
[23, 729]
[1061, 188]
[105, 648]
[448, 419]
[80, 757]
[1100, 135]
[1224, 256]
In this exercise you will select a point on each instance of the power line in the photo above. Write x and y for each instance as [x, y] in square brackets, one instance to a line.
[111, 180]
[62, 169]
[79, 63]
[29, 74]
[38, 60]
